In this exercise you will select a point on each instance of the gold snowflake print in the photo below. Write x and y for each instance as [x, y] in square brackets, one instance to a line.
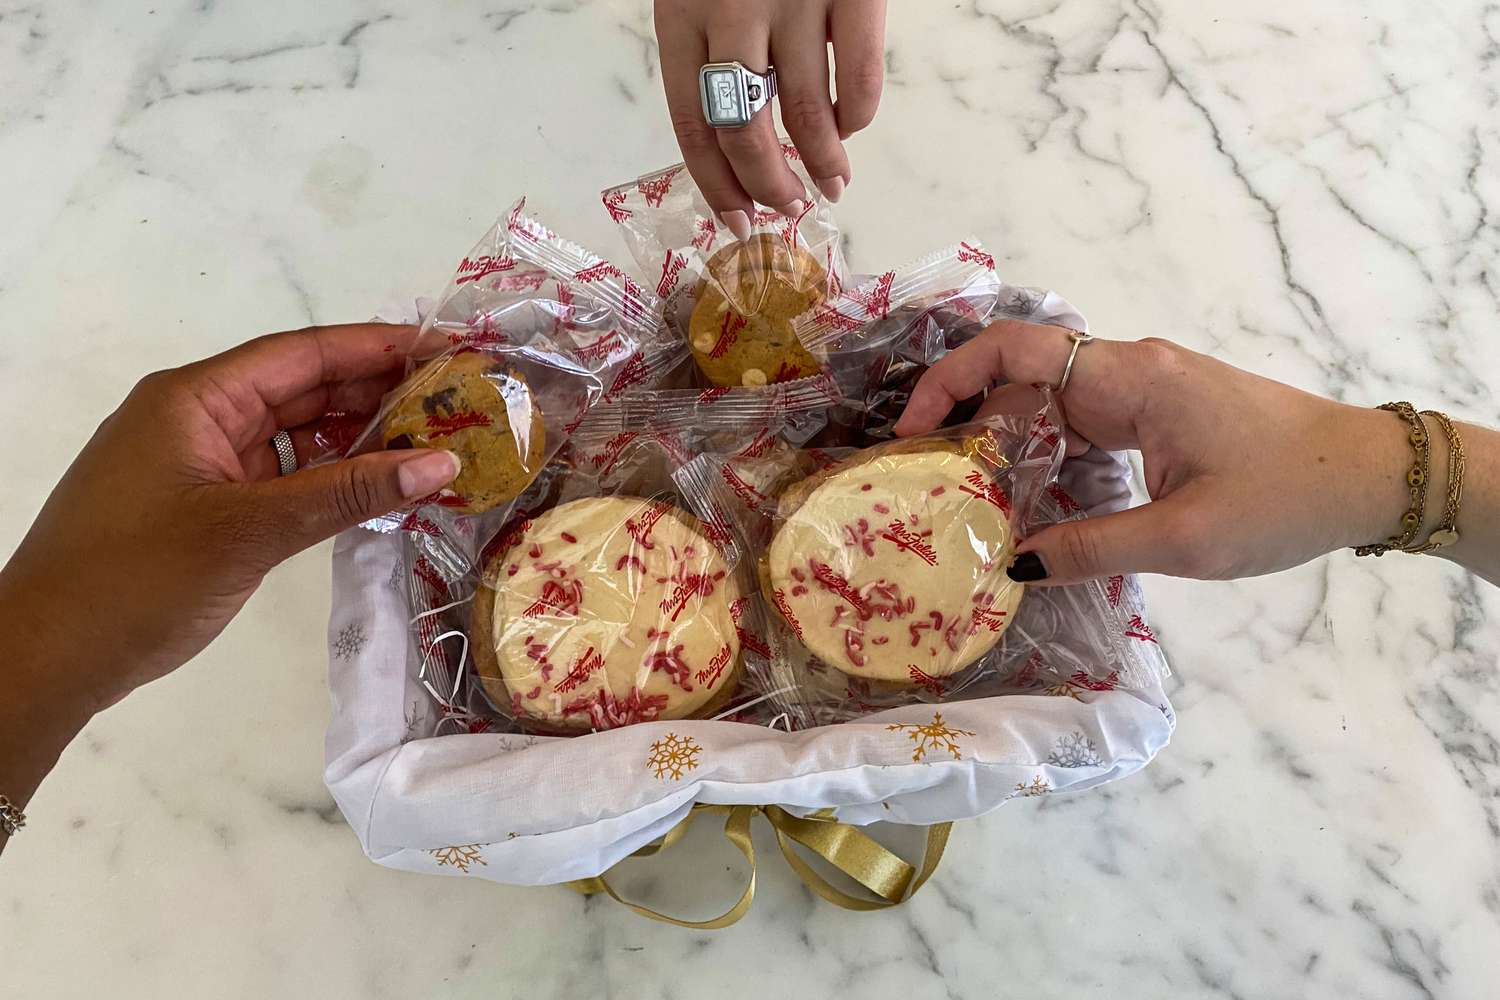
[1063, 690]
[460, 857]
[672, 756]
[934, 736]
[1038, 786]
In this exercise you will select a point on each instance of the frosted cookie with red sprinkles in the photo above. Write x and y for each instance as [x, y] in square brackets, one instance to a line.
[605, 612]
[892, 567]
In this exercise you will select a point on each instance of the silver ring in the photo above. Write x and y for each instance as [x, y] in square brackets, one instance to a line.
[732, 94]
[286, 455]
[1078, 338]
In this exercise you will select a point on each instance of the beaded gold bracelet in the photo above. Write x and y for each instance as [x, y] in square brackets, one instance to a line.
[1416, 482]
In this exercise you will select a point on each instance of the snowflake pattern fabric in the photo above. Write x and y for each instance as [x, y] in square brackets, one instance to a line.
[936, 735]
[350, 641]
[1074, 750]
[460, 856]
[672, 756]
[1038, 786]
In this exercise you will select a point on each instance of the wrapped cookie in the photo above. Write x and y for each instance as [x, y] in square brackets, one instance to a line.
[731, 302]
[882, 569]
[532, 332]
[613, 594]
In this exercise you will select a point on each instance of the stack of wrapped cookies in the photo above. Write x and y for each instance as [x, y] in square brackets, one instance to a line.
[681, 498]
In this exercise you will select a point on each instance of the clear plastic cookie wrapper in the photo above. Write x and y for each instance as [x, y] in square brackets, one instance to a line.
[883, 571]
[611, 594]
[532, 332]
[732, 302]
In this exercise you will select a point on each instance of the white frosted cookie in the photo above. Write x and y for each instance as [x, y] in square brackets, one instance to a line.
[605, 612]
[896, 564]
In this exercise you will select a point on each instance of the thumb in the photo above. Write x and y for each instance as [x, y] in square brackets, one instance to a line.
[317, 503]
[1140, 540]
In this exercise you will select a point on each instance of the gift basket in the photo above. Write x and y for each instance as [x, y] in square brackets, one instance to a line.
[669, 587]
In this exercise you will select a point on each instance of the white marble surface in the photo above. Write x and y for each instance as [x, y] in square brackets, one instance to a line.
[1309, 190]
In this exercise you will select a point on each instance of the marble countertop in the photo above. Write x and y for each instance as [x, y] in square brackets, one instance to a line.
[1310, 191]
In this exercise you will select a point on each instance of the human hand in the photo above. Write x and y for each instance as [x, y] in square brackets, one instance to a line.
[1246, 475]
[173, 513]
[736, 167]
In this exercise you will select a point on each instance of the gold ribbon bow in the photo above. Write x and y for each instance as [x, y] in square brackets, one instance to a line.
[845, 847]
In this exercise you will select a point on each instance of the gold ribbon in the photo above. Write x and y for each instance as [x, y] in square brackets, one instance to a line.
[847, 848]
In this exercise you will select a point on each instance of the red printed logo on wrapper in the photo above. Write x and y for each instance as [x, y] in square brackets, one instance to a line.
[762, 443]
[907, 540]
[1113, 588]
[1083, 680]
[417, 524]
[1064, 500]
[923, 679]
[633, 301]
[634, 373]
[557, 599]
[1140, 630]
[710, 676]
[830, 317]
[877, 299]
[671, 270]
[613, 448]
[488, 335]
[603, 348]
[654, 189]
[985, 617]
[709, 395]
[439, 426]
[640, 529]
[614, 204]
[481, 266]
[527, 229]
[785, 607]
[749, 495]
[704, 232]
[972, 254]
[521, 281]
[981, 487]
[589, 662]
[716, 530]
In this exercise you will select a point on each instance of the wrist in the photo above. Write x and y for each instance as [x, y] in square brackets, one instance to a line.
[1374, 492]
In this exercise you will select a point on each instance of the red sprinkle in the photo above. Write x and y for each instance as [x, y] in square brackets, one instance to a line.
[938, 491]
[570, 538]
[866, 487]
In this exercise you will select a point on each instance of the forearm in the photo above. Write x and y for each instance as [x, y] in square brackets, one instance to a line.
[41, 705]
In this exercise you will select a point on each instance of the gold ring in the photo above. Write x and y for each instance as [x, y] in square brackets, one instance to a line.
[1079, 338]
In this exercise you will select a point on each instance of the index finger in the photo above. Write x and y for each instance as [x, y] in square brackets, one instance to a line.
[280, 367]
[1008, 350]
[683, 53]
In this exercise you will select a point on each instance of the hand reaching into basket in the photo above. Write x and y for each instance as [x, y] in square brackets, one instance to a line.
[1246, 475]
[173, 514]
[737, 165]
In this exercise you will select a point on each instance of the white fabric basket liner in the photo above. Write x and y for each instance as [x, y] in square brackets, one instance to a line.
[539, 811]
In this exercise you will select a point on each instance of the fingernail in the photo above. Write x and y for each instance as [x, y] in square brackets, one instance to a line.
[832, 187]
[1027, 568]
[736, 222]
[426, 473]
[792, 209]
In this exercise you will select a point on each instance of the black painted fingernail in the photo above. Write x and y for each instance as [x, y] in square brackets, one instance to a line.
[1027, 568]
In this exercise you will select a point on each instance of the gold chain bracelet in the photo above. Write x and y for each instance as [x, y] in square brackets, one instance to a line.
[1446, 533]
[1416, 481]
[11, 817]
